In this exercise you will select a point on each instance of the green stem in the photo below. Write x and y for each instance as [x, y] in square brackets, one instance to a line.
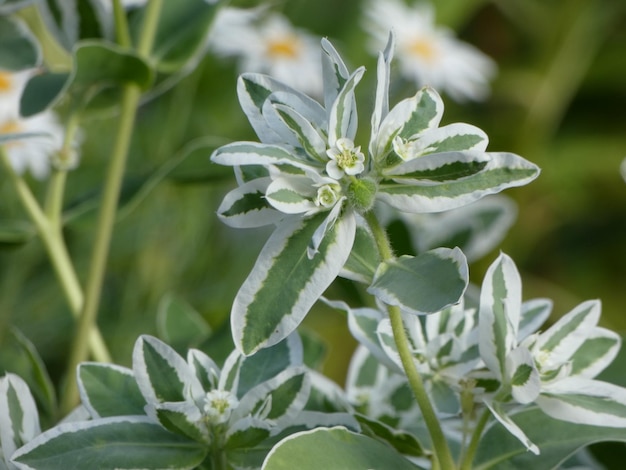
[108, 208]
[440, 444]
[122, 34]
[57, 252]
[466, 463]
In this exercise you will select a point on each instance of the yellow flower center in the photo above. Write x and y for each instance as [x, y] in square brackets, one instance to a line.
[11, 127]
[284, 47]
[5, 82]
[423, 48]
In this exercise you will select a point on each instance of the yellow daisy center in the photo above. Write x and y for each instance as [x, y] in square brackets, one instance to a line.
[5, 82]
[423, 48]
[284, 47]
[10, 127]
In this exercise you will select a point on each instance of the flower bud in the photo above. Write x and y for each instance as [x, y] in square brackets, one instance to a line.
[361, 194]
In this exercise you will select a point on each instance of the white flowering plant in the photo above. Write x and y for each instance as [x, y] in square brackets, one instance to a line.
[445, 375]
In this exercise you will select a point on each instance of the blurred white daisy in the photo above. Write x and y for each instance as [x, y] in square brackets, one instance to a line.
[268, 43]
[11, 87]
[429, 54]
[623, 169]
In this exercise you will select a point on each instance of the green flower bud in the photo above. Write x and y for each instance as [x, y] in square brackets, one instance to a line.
[361, 194]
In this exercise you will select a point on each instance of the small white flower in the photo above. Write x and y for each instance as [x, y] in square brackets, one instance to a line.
[268, 45]
[429, 54]
[218, 405]
[409, 149]
[345, 158]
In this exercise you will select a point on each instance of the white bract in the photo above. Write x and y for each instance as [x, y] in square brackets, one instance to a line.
[554, 368]
[429, 54]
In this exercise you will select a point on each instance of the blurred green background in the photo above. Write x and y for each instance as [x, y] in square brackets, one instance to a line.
[559, 100]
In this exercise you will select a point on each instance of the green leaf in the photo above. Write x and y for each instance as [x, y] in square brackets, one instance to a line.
[404, 442]
[343, 119]
[19, 418]
[42, 92]
[254, 153]
[110, 443]
[183, 418]
[109, 390]
[179, 324]
[439, 167]
[285, 283]
[246, 434]
[364, 257]
[15, 233]
[333, 448]
[19, 49]
[175, 46]
[556, 441]
[426, 283]
[334, 71]
[504, 170]
[308, 137]
[10, 6]
[246, 206]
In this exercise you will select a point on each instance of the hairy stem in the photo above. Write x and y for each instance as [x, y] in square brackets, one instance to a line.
[440, 444]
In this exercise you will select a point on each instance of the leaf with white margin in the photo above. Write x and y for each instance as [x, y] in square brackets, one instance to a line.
[127, 442]
[584, 401]
[499, 313]
[408, 118]
[426, 283]
[183, 418]
[246, 433]
[246, 206]
[364, 257]
[253, 89]
[439, 167]
[326, 395]
[534, 313]
[307, 136]
[284, 283]
[277, 399]
[403, 441]
[504, 170]
[162, 374]
[343, 118]
[229, 378]
[206, 370]
[381, 102]
[364, 370]
[109, 390]
[523, 375]
[328, 223]
[596, 353]
[569, 332]
[511, 427]
[454, 137]
[335, 73]
[340, 449]
[292, 194]
[254, 153]
[19, 418]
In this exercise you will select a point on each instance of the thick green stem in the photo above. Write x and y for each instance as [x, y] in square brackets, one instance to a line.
[440, 444]
[466, 463]
[108, 208]
[57, 252]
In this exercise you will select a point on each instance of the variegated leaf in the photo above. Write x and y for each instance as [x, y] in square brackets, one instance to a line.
[291, 194]
[183, 418]
[334, 71]
[439, 167]
[522, 375]
[408, 118]
[246, 206]
[585, 401]
[285, 283]
[19, 418]
[426, 283]
[246, 433]
[381, 103]
[343, 119]
[596, 353]
[534, 313]
[364, 257]
[504, 170]
[307, 136]
[207, 372]
[254, 153]
[511, 427]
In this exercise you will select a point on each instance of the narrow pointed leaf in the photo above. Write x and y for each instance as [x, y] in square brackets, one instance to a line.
[523, 375]
[596, 353]
[308, 137]
[403, 441]
[343, 120]
[534, 314]
[381, 103]
[291, 195]
[364, 257]
[499, 313]
[19, 418]
[335, 73]
[440, 167]
[341, 449]
[246, 433]
[425, 283]
[110, 443]
[512, 427]
[109, 390]
[284, 283]
[19, 49]
[254, 153]
[183, 418]
[205, 369]
[504, 170]
[246, 206]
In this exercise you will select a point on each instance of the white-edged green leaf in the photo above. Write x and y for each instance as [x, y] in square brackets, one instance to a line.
[179, 324]
[291, 194]
[182, 418]
[439, 167]
[421, 284]
[247, 433]
[343, 119]
[277, 399]
[246, 206]
[499, 313]
[585, 401]
[327, 224]
[307, 136]
[19, 418]
[504, 170]
[11, 6]
[162, 375]
[596, 353]
[363, 323]
[109, 390]
[403, 441]
[19, 49]
[387, 344]
[534, 313]
[334, 71]
[364, 257]
[364, 371]
[285, 283]
[408, 118]
[444, 396]
[523, 375]
[381, 102]
[569, 332]
[511, 426]
[333, 448]
[128, 442]
[205, 369]
[254, 153]
[253, 90]
[326, 395]
[229, 378]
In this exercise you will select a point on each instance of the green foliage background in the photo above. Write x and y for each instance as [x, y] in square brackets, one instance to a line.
[558, 100]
